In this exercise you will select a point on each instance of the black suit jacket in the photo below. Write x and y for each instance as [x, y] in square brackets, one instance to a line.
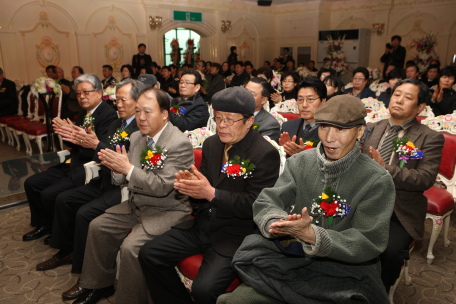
[231, 212]
[396, 58]
[107, 82]
[292, 127]
[216, 84]
[196, 116]
[104, 115]
[135, 62]
[240, 79]
[269, 126]
[8, 98]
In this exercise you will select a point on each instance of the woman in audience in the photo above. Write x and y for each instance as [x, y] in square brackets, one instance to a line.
[324, 72]
[360, 88]
[431, 78]
[393, 77]
[127, 72]
[289, 81]
[208, 66]
[443, 98]
[225, 71]
[334, 86]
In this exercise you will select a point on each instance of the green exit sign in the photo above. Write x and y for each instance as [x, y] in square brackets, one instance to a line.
[187, 16]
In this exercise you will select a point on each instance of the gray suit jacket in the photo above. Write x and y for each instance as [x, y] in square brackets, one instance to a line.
[415, 177]
[269, 126]
[152, 191]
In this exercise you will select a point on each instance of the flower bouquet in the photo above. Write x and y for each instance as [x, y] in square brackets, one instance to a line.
[303, 72]
[152, 159]
[374, 73]
[406, 150]
[120, 137]
[110, 92]
[178, 110]
[310, 144]
[88, 123]
[236, 168]
[204, 82]
[337, 59]
[276, 82]
[425, 52]
[175, 56]
[378, 87]
[44, 85]
[329, 205]
[189, 57]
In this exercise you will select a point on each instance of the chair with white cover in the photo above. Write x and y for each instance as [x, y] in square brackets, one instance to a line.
[283, 155]
[287, 108]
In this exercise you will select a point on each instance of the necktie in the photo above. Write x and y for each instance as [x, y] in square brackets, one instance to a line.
[387, 145]
[225, 153]
[307, 128]
[124, 125]
[150, 142]
[89, 114]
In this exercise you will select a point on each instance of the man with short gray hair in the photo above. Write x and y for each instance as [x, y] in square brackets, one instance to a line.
[43, 188]
[76, 208]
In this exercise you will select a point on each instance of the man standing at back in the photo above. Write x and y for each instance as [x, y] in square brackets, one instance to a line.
[394, 54]
[141, 59]
[416, 176]
[224, 205]
[189, 111]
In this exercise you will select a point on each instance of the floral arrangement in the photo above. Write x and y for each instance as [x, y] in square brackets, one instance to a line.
[175, 56]
[178, 110]
[44, 85]
[329, 205]
[189, 57]
[286, 106]
[442, 123]
[378, 87]
[255, 126]
[110, 92]
[303, 72]
[198, 136]
[337, 59]
[236, 168]
[425, 52]
[120, 137]
[89, 123]
[152, 159]
[204, 82]
[406, 150]
[373, 104]
[310, 144]
[374, 73]
[276, 82]
[277, 116]
[375, 116]
[230, 77]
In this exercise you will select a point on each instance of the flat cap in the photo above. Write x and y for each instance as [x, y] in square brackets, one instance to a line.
[234, 100]
[148, 80]
[344, 111]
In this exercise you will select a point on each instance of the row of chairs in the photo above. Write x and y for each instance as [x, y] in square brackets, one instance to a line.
[30, 127]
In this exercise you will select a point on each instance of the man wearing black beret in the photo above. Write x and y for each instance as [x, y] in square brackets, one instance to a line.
[222, 194]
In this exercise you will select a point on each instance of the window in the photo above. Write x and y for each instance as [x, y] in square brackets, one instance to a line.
[182, 35]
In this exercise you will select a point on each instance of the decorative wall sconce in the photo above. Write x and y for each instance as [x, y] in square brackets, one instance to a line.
[155, 22]
[226, 26]
[378, 28]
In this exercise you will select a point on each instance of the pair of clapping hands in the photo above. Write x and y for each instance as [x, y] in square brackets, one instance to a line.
[298, 225]
[75, 134]
[289, 145]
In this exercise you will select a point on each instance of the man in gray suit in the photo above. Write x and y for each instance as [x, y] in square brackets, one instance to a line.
[152, 208]
[264, 122]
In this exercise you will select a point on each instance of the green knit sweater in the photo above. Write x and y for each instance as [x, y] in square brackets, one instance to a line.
[365, 185]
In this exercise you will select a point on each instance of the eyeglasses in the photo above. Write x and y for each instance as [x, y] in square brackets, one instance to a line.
[227, 121]
[86, 93]
[185, 83]
[121, 100]
[308, 100]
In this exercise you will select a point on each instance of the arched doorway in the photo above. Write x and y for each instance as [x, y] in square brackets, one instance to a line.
[182, 35]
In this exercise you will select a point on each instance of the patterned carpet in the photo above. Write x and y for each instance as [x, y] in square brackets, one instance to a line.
[21, 283]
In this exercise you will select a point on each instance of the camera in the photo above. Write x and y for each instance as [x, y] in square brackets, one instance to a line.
[389, 46]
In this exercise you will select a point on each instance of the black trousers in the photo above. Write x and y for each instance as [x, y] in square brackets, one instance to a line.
[392, 259]
[42, 190]
[159, 256]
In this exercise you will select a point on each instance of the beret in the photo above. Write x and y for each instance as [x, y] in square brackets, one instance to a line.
[148, 80]
[234, 100]
[343, 111]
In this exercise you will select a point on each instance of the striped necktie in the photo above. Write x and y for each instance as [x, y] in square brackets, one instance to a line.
[150, 142]
[387, 145]
[124, 125]
[307, 128]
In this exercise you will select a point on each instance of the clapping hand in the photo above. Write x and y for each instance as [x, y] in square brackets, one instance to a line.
[116, 161]
[276, 97]
[295, 225]
[58, 123]
[194, 184]
[289, 145]
[375, 154]
[438, 94]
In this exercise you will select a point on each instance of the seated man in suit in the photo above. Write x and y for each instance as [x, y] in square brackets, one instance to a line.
[215, 80]
[224, 205]
[418, 175]
[65, 85]
[311, 95]
[241, 78]
[320, 254]
[168, 84]
[108, 78]
[157, 151]
[43, 188]
[8, 97]
[191, 110]
[265, 123]
[82, 204]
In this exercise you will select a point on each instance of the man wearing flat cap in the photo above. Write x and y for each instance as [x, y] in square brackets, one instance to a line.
[326, 249]
[222, 192]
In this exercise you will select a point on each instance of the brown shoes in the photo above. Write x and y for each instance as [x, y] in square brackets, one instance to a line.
[54, 262]
[75, 292]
